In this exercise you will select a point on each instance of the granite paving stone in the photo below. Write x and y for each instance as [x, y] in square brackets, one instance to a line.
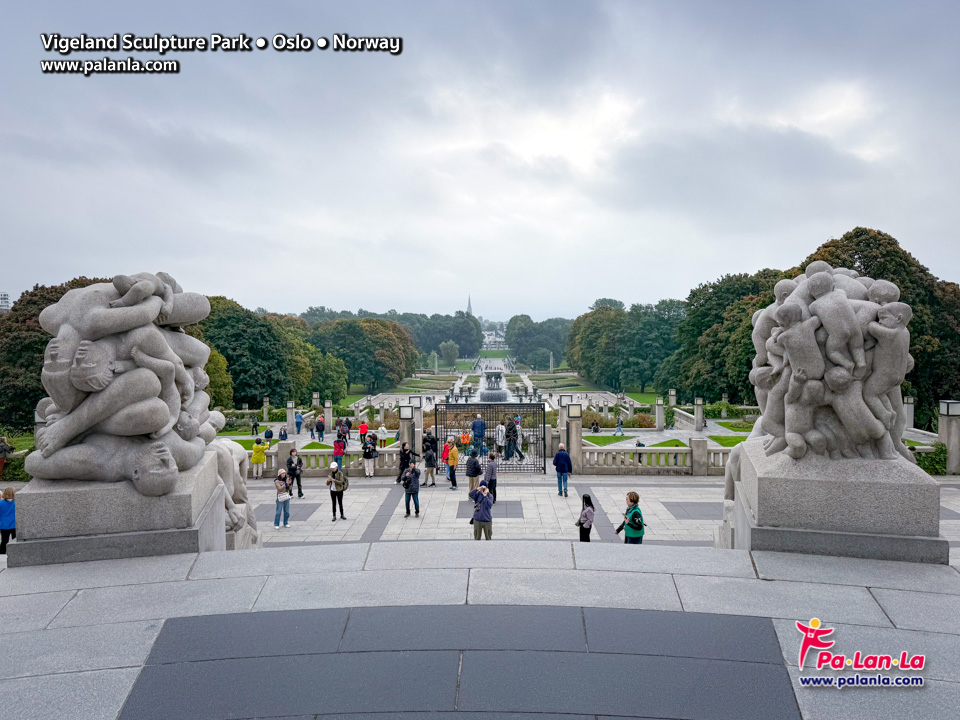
[99, 573]
[663, 559]
[617, 685]
[20, 613]
[942, 651]
[101, 606]
[97, 647]
[263, 634]
[458, 627]
[921, 611]
[304, 684]
[777, 598]
[686, 634]
[364, 589]
[280, 561]
[936, 700]
[586, 588]
[926, 577]
[96, 695]
[470, 554]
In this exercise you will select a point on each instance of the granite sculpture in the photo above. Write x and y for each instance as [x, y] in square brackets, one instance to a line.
[125, 383]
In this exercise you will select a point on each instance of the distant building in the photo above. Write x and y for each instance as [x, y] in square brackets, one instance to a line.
[4, 303]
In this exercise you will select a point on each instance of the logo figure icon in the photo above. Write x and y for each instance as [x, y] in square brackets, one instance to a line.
[813, 636]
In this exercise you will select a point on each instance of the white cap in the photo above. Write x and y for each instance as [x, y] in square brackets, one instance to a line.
[333, 466]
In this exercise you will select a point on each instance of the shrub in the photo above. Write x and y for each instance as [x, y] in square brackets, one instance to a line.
[277, 415]
[668, 416]
[234, 424]
[934, 463]
[715, 410]
[13, 470]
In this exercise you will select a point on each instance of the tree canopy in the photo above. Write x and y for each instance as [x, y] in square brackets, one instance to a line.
[376, 353]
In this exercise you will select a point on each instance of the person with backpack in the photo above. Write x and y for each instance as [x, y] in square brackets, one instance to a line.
[348, 426]
[473, 470]
[259, 457]
[284, 486]
[370, 454]
[430, 463]
[382, 434]
[619, 430]
[482, 512]
[338, 482]
[282, 436]
[311, 426]
[479, 430]
[564, 466]
[490, 476]
[339, 449]
[8, 519]
[501, 439]
[453, 457]
[363, 430]
[321, 426]
[632, 526]
[295, 470]
[298, 421]
[411, 485]
[255, 426]
[513, 441]
[585, 523]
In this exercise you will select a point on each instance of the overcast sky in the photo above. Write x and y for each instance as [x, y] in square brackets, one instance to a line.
[535, 155]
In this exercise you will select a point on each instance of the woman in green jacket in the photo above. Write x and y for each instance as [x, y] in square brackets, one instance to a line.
[632, 526]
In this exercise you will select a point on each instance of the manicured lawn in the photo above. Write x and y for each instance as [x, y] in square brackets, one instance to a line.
[317, 446]
[669, 443]
[647, 398]
[737, 426]
[914, 443]
[465, 365]
[604, 439]
[231, 433]
[350, 399]
[25, 442]
[728, 440]
[246, 442]
[494, 353]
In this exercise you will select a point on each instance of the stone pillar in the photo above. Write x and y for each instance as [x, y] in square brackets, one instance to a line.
[291, 422]
[245, 406]
[328, 416]
[283, 452]
[407, 432]
[316, 400]
[949, 433]
[673, 398]
[606, 409]
[725, 399]
[660, 413]
[551, 361]
[699, 460]
[575, 444]
[380, 413]
[266, 408]
[698, 421]
[417, 443]
[908, 403]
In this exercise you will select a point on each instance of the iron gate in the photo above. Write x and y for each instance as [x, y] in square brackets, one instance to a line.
[456, 420]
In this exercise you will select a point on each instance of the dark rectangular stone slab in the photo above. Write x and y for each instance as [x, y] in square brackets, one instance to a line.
[456, 627]
[696, 635]
[633, 686]
[695, 510]
[298, 511]
[262, 634]
[948, 514]
[273, 687]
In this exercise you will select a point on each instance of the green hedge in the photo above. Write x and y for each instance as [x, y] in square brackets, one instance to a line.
[934, 463]
[715, 410]
[13, 471]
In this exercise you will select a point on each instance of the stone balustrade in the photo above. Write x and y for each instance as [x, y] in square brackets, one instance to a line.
[649, 461]
[682, 420]
[316, 462]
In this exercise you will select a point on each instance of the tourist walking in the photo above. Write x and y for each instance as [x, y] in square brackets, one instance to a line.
[445, 458]
[282, 435]
[8, 519]
[363, 430]
[311, 426]
[429, 441]
[482, 512]
[298, 421]
[295, 470]
[338, 482]
[513, 440]
[370, 454]
[255, 426]
[585, 523]
[259, 457]
[382, 434]
[563, 466]
[430, 464]
[268, 434]
[453, 457]
[473, 470]
[339, 450]
[348, 426]
[411, 485]
[632, 526]
[479, 429]
[501, 439]
[321, 427]
[619, 430]
[284, 486]
[490, 476]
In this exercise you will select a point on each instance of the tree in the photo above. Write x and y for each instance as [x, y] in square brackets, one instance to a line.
[449, 351]
[649, 337]
[220, 389]
[22, 344]
[592, 346]
[539, 359]
[607, 302]
[328, 376]
[376, 353]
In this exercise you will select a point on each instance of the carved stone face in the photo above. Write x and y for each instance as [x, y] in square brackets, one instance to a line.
[783, 289]
[187, 427]
[820, 284]
[883, 292]
[155, 472]
[92, 370]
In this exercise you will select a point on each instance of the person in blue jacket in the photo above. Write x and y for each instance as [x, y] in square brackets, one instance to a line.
[8, 519]
[479, 429]
[564, 466]
[482, 512]
[298, 419]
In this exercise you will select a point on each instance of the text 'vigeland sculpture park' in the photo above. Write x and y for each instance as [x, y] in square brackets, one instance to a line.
[126, 385]
[831, 353]
[825, 470]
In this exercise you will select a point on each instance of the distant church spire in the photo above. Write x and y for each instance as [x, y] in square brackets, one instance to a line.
[469, 306]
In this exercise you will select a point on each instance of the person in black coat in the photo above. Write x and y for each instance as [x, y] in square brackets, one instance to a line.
[295, 470]
[406, 457]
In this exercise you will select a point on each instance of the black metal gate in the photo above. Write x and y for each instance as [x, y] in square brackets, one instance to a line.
[520, 452]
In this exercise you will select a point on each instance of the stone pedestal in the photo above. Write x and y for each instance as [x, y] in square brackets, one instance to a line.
[949, 435]
[60, 521]
[698, 421]
[660, 413]
[328, 415]
[315, 402]
[417, 443]
[575, 446]
[880, 509]
[908, 403]
[291, 418]
[407, 430]
[699, 460]
[266, 409]
[672, 397]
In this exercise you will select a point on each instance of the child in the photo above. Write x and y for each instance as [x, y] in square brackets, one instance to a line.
[8, 524]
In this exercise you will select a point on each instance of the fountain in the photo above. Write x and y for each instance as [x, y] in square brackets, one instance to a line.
[491, 390]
